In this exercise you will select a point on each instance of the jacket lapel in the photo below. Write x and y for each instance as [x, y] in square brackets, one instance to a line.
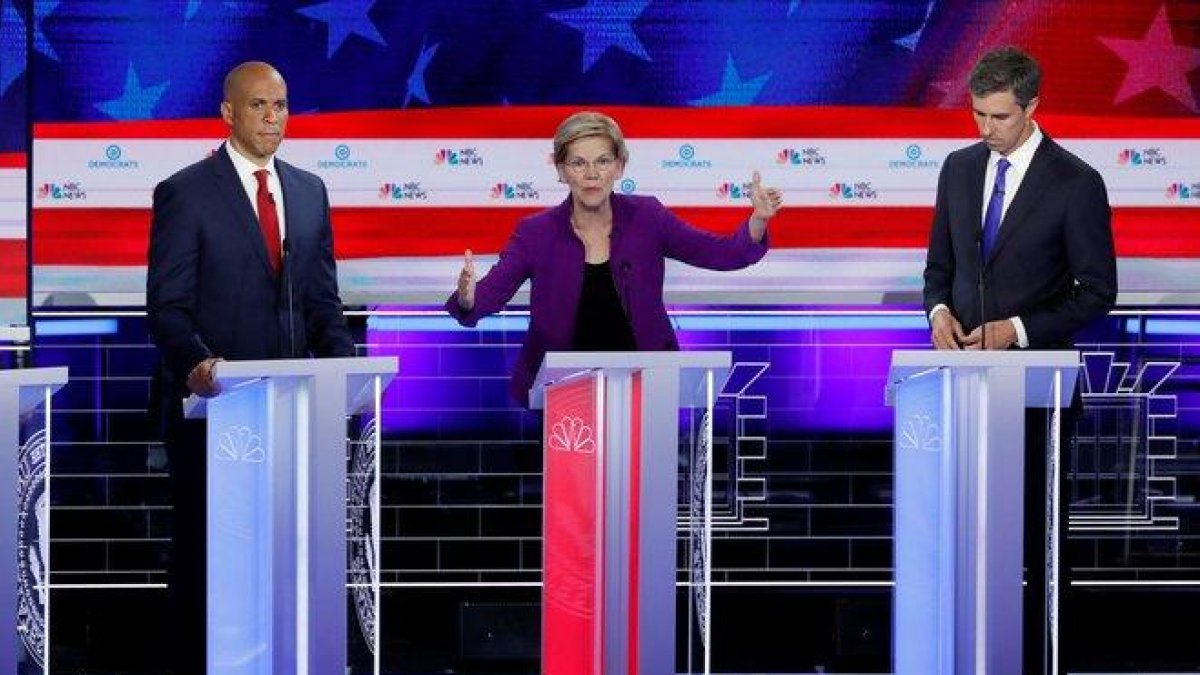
[619, 217]
[234, 196]
[976, 173]
[567, 265]
[1032, 186]
[292, 194]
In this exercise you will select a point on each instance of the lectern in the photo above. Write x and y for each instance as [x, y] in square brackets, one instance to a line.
[25, 517]
[959, 496]
[611, 437]
[278, 521]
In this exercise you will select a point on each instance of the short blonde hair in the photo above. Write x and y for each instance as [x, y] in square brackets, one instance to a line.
[587, 124]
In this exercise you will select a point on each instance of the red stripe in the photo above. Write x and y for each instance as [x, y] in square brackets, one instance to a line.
[639, 122]
[361, 232]
[90, 236]
[599, 416]
[1160, 232]
[202, 128]
[12, 268]
[120, 236]
[635, 519]
[12, 160]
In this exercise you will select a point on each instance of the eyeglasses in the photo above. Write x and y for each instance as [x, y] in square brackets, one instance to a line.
[579, 165]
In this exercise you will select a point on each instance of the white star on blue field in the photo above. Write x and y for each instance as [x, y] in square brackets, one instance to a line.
[734, 90]
[150, 59]
[604, 24]
[135, 102]
[416, 80]
[344, 18]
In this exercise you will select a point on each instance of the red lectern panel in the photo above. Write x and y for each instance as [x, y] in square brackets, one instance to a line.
[573, 438]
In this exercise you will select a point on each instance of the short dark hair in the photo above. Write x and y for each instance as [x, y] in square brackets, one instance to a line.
[1007, 69]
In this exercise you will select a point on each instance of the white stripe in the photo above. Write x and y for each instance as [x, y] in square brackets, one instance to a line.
[878, 172]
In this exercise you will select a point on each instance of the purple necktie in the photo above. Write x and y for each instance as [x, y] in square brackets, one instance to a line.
[995, 208]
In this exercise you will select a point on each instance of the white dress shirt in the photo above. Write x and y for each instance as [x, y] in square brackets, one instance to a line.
[245, 171]
[1019, 159]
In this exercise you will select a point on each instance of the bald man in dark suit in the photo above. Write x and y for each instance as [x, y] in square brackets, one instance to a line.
[241, 267]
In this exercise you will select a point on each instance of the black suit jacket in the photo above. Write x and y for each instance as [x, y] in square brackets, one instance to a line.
[1053, 264]
[210, 290]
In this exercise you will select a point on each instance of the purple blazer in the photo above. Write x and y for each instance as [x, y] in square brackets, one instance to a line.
[545, 250]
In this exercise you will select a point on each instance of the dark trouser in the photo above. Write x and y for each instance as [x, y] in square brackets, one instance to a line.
[1037, 650]
[187, 573]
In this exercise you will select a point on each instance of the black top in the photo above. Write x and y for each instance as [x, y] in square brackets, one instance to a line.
[600, 322]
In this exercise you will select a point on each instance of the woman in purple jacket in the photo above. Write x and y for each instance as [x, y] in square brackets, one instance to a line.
[596, 260]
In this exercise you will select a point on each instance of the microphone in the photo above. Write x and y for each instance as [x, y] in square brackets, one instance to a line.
[625, 268]
[980, 286]
[287, 284]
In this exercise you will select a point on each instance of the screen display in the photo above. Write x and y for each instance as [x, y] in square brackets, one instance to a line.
[14, 202]
[432, 129]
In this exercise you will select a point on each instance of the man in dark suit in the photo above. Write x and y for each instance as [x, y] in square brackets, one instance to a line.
[1020, 256]
[241, 267]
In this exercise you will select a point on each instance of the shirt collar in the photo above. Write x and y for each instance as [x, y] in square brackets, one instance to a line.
[244, 167]
[1022, 156]
[565, 210]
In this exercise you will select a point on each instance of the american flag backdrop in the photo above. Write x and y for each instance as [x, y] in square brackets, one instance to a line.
[430, 122]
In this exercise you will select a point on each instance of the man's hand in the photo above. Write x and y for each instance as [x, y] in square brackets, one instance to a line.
[947, 332]
[1000, 335]
[201, 382]
[466, 283]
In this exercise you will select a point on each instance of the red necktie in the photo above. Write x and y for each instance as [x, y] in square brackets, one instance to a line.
[268, 221]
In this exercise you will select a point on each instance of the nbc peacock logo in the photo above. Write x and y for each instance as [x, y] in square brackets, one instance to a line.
[458, 157]
[519, 191]
[730, 191]
[846, 191]
[1139, 157]
[920, 432]
[68, 191]
[572, 434]
[403, 191]
[240, 444]
[808, 156]
[1183, 191]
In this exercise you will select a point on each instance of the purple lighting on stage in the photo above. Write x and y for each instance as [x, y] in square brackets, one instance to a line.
[827, 367]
